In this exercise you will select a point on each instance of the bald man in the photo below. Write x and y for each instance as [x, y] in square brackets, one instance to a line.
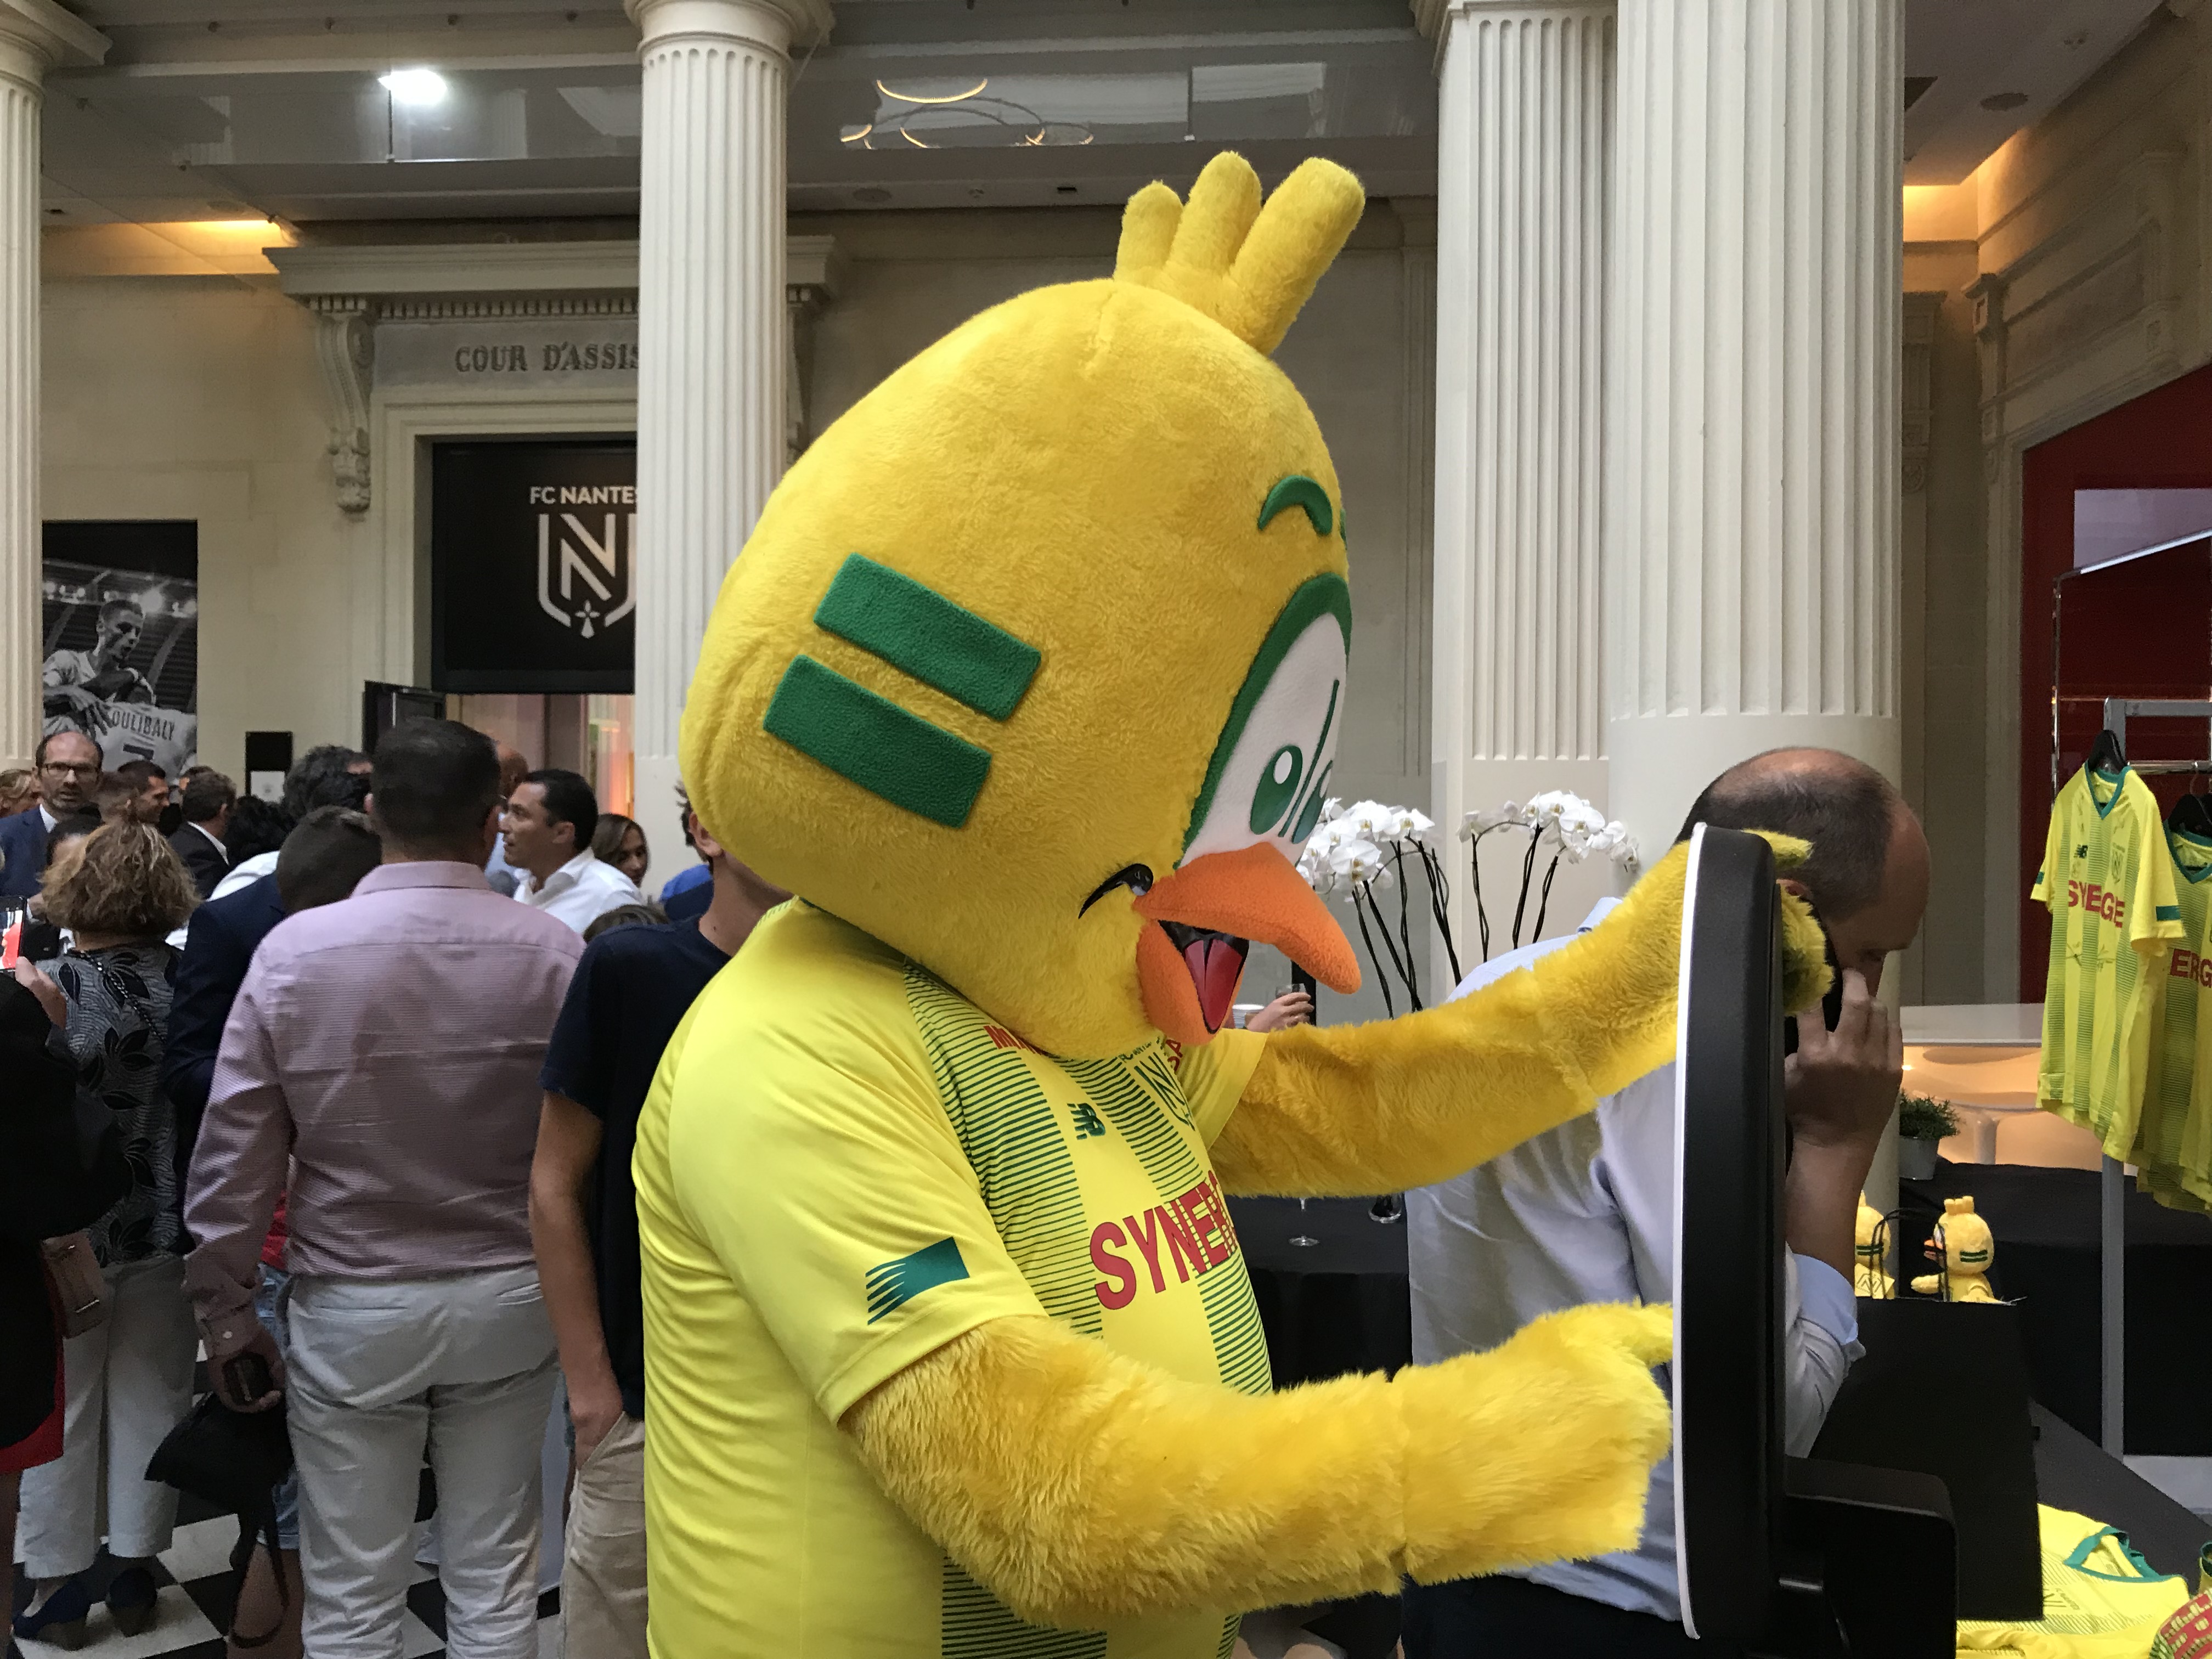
[1586, 1212]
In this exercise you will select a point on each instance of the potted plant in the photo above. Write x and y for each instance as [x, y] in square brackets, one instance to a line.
[1921, 1121]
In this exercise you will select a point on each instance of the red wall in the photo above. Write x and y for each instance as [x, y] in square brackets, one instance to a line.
[2142, 629]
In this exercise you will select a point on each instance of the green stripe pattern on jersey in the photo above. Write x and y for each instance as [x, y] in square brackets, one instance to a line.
[1143, 1102]
[1013, 1141]
[2095, 1003]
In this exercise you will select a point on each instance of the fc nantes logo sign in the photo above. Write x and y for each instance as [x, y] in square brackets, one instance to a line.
[585, 565]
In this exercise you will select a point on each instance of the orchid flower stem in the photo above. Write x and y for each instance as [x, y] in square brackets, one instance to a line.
[1380, 978]
[1481, 910]
[1528, 874]
[1366, 890]
[1405, 929]
[1440, 907]
[1544, 901]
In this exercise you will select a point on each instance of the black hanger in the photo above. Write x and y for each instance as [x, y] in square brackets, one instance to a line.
[2105, 755]
[2192, 816]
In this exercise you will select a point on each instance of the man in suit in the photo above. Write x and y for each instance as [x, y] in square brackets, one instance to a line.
[69, 773]
[209, 797]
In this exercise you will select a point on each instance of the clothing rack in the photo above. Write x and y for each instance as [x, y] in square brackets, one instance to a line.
[2112, 1189]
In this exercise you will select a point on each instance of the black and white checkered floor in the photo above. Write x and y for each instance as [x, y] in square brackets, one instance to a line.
[194, 1605]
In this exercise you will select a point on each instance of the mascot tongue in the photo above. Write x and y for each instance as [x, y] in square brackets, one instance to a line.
[1216, 961]
[1187, 964]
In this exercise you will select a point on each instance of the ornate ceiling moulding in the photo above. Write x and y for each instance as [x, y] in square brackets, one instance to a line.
[352, 289]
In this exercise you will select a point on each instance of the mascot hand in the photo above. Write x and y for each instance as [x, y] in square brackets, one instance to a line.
[1083, 1488]
[1539, 1450]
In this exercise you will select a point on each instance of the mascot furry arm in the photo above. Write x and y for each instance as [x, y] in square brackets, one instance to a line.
[1028, 1452]
[1358, 1109]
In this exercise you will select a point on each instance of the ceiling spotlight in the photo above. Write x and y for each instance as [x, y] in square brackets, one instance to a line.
[417, 87]
[1998, 103]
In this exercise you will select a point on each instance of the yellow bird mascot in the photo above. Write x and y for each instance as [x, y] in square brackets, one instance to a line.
[1027, 684]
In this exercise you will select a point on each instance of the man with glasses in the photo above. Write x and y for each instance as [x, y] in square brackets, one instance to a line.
[68, 774]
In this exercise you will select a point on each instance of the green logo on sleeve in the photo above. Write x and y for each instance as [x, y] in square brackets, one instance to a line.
[892, 1284]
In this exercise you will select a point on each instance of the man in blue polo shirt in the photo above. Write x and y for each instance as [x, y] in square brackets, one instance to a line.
[631, 992]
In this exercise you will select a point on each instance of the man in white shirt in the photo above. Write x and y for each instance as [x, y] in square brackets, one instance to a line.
[548, 824]
[514, 767]
[1584, 1213]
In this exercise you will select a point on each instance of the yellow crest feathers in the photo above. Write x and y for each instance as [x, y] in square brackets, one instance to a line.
[1247, 266]
[1959, 1205]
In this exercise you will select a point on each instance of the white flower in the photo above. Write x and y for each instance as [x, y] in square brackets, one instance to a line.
[1615, 842]
[1357, 861]
[1370, 817]
[1409, 824]
[1475, 822]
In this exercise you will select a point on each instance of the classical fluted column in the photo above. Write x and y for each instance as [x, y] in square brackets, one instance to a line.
[35, 36]
[1523, 170]
[1752, 524]
[711, 335]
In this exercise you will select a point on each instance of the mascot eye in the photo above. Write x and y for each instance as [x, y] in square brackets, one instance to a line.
[1271, 764]
[1137, 878]
[1279, 787]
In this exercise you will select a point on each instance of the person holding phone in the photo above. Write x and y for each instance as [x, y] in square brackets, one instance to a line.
[1584, 1213]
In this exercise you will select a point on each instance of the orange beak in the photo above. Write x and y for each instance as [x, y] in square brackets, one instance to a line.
[1202, 919]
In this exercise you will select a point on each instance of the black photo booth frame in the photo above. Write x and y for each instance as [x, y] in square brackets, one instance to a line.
[1781, 1556]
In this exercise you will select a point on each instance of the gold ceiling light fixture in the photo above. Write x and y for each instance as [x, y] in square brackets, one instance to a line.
[918, 98]
[970, 113]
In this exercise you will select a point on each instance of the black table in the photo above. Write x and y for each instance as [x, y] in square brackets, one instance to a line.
[1338, 1305]
[2046, 1226]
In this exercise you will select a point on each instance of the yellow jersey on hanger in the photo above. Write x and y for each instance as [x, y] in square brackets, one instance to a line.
[2107, 877]
[2173, 1143]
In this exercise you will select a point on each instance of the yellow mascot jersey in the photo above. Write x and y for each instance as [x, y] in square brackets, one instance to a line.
[2174, 1143]
[2100, 1599]
[883, 1171]
[2108, 880]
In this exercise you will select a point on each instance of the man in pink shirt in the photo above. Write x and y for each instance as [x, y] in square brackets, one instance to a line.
[388, 1048]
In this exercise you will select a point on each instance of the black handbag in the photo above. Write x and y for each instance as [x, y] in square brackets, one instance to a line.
[234, 1461]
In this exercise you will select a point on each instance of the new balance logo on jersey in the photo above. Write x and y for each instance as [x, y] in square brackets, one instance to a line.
[2082, 851]
[1086, 1118]
[2096, 899]
[892, 1284]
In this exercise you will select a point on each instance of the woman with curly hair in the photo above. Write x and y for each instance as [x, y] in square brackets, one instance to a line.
[128, 1379]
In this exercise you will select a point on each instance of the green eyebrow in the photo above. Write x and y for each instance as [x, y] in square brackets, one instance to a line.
[1299, 490]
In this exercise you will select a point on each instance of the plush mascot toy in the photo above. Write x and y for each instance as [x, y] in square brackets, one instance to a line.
[1965, 1246]
[1027, 684]
[1869, 1250]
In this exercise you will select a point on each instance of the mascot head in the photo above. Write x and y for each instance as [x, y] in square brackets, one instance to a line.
[1034, 667]
[1963, 1241]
